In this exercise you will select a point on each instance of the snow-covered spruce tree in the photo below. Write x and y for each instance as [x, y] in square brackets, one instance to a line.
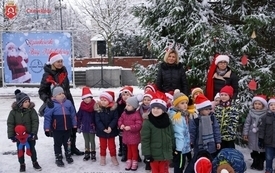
[184, 25]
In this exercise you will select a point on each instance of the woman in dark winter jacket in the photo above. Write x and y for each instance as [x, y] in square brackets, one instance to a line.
[171, 74]
[56, 75]
[219, 76]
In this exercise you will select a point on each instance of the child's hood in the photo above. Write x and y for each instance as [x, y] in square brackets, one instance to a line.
[98, 107]
[14, 105]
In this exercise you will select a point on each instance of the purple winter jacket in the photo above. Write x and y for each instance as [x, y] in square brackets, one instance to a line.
[86, 119]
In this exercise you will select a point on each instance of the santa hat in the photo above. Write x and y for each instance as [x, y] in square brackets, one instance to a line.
[150, 86]
[86, 92]
[109, 95]
[228, 90]
[54, 57]
[149, 94]
[261, 98]
[222, 58]
[169, 95]
[128, 89]
[157, 102]
[179, 97]
[195, 90]
[225, 168]
[271, 100]
[217, 96]
[203, 165]
[202, 102]
[10, 45]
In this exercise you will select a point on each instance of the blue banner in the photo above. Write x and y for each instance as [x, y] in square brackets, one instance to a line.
[26, 53]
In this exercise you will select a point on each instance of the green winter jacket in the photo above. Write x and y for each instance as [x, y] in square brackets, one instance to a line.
[157, 142]
[28, 118]
[228, 118]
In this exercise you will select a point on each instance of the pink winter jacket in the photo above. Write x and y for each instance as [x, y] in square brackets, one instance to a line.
[133, 120]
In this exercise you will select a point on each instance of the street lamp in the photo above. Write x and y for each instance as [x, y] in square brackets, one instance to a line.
[59, 7]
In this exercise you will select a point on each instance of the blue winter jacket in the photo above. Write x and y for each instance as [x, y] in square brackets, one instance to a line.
[104, 118]
[194, 134]
[181, 132]
[232, 156]
[61, 117]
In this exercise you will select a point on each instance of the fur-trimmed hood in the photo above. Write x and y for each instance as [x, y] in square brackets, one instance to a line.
[98, 107]
[14, 105]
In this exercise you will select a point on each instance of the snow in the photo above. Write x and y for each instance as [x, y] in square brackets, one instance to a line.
[97, 67]
[44, 145]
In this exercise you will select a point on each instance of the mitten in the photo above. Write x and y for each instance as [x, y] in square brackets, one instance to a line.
[176, 156]
[33, 136]
[13, 139]
[50, 103]
[149, 158]
[48, 134]
[261, 143]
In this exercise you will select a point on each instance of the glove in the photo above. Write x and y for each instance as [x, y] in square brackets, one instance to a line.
[261, 143]
[48, 133]
[190, 102]
[50, 103]
[33, 137]
[192, 146]
[74, 130]
[13, 139]
[149, 159]
[176, 156]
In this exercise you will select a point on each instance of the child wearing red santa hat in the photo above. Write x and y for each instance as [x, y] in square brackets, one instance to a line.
[228, 117]
[106, 118]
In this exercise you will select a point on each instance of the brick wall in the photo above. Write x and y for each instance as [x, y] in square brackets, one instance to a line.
[125, 62]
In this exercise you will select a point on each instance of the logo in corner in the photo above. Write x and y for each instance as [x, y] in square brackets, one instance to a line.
[11, 9]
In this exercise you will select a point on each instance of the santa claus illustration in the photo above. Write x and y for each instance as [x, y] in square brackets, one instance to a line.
[17, 59]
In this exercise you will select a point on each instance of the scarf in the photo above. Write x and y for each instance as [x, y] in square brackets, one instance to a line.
[143, 108]
[221, 72]
[256, 115]
[205, 132]
[87, 107]
[130, 112]
[161, 121]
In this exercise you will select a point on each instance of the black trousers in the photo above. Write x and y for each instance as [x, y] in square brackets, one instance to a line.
[33, 151]
[61, 137]
[228, 144]
[179, 163]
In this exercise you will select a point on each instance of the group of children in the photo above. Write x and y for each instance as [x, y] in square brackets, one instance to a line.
[168, 126]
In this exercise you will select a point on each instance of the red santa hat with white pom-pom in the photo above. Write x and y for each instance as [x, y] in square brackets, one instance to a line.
[54, 57]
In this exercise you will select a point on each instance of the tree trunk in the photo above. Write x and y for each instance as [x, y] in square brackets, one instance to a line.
[109, 53]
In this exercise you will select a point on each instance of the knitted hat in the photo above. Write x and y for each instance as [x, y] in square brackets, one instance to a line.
[109, 95]
[133, 101]
[179, 97]
[57, 90]
[151, 86]
[149, 94]
[156, 102]
[222, 58]
[20, 97]
[195, 90]
[217, 96]
[128, 89]
[86, 92]
[228, 90]
[202, 102]
[271, 100]
[203, 165]
[169, 95]
[261, 98]
[225, 168]
[54, 57]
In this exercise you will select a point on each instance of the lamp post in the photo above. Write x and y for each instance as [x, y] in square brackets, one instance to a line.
[60, 8]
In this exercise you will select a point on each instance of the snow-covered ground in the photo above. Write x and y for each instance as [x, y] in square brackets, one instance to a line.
[44, 146]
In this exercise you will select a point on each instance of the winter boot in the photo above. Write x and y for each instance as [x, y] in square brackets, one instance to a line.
[147, 166]
[86, 156]
[58, 160]
[114, 160]
[128, 165]
[74, 150]
[36, 166]
[120, 146]
[69, 158]
[134, 165]
[260, 164]
[22, 167]
[93, 157]
[124, 153]
[102, 160]
[255, 157]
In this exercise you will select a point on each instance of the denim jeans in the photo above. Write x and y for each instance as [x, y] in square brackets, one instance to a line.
[269, 155]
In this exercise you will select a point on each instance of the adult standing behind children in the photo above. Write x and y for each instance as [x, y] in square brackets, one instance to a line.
[220, 75]
[56, 75]
[23, 113]
[61, 120]
[171, 74]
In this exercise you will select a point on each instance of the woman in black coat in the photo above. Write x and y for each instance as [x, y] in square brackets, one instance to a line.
[56, 75]
[171, 74]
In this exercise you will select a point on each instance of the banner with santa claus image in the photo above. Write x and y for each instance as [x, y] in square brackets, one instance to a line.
[26, 53]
